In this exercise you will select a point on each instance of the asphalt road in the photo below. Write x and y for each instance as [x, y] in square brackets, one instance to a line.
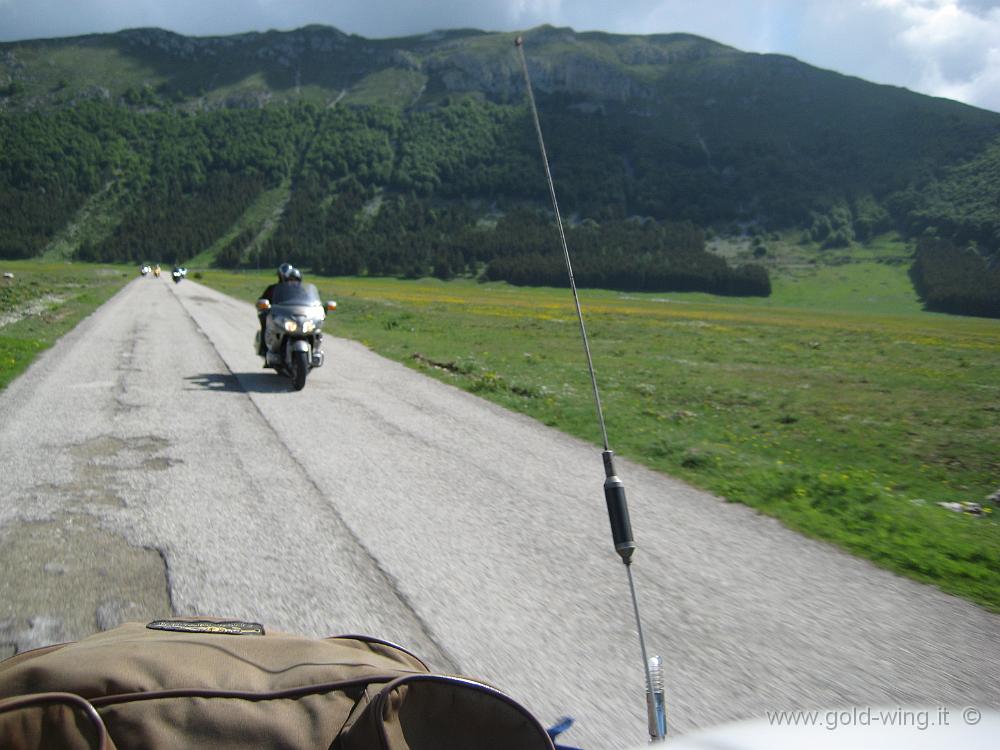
[150, 467]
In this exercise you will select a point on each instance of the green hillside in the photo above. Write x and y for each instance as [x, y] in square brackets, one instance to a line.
[411, 156]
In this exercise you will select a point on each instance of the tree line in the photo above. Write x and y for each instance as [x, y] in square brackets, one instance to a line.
[383, 191]
[956, 280]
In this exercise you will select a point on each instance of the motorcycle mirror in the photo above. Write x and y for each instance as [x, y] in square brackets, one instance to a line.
[263, 304]
[331, 306]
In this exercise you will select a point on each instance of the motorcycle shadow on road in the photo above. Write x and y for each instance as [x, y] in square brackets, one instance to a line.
[240, 382]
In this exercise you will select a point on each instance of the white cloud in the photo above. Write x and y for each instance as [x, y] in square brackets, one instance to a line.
[953, 47]
[983, 86]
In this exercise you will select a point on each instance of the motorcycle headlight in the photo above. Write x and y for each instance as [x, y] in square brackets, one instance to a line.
[308, 326]
[291, 326]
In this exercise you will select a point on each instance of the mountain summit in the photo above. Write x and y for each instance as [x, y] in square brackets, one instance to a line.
[667, 127]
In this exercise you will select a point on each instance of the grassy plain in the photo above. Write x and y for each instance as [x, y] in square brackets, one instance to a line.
[835, 405]
[43, 302]
[847, 424]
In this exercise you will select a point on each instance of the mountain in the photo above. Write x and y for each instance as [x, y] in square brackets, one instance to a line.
[372, 137]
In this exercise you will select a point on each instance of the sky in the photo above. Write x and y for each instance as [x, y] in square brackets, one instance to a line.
[948, 48]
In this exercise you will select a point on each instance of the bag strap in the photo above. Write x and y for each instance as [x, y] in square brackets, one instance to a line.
[74, 702]
[380, 642]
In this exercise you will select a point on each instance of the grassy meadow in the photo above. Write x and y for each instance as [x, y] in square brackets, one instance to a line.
[848, 424]
[44, 301]
[835, 405]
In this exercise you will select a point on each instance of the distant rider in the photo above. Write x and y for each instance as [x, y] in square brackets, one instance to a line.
[287, 274]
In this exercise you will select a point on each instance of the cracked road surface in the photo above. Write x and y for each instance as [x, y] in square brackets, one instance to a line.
[151, 468]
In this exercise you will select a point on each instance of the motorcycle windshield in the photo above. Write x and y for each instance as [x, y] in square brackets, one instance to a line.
[295, 294]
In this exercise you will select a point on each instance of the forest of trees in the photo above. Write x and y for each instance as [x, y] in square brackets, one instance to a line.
[954, 280]
[625, 255]
[48, 166]
[456, 189]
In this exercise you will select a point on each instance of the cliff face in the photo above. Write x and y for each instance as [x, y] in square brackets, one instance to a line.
[591, 66]
[264, 66]
[574, 73]
[288, 46]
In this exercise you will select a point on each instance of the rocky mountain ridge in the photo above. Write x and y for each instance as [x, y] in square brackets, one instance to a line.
[593, 65]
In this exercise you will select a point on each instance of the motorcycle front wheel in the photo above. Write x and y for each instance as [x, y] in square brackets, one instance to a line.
[300, 367]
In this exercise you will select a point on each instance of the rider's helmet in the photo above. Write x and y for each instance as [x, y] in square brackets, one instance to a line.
[295, 276]
[283, 270]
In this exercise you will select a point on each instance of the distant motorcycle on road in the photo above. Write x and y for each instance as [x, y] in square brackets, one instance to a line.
[177, 274]
[293, 342]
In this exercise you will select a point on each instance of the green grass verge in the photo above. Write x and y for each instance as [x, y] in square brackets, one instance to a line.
[55, 296]
[864, 276]
[847, 425]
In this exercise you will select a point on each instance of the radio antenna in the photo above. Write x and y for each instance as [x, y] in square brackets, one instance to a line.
[614, 489]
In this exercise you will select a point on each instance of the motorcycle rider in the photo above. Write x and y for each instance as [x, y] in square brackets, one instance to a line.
[287, 274]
